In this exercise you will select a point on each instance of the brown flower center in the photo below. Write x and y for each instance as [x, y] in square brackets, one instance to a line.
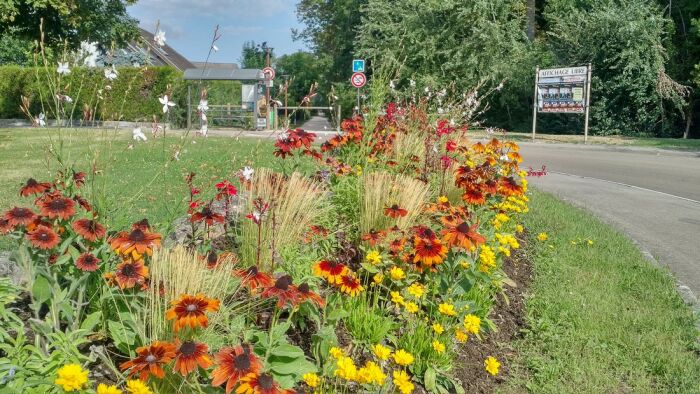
[304, 288]
[188, 348]
[463, 228]
[57, 205]
[32, 182]
[252, 271]
[191, 307]
[129, 270]
[242, 362]
[151, 358]
[283, 282]
[212, 258]
[44, 236]
[137, 235]
[265, 381]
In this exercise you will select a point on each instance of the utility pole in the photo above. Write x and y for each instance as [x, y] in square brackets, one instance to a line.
[267, 64]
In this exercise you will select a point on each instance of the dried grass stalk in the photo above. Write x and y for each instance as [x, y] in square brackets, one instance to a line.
[295, 204]
[175, 272]
[407, 145]
[381, 189]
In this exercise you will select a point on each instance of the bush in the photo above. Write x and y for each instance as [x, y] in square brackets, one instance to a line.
[133, 96]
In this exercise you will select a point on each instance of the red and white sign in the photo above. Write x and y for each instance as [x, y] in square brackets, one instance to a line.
[269, 73]
[358, 80]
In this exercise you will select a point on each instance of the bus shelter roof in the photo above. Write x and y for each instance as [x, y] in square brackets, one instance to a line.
[213, 74]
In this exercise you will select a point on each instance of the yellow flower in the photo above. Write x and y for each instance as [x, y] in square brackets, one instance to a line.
[336, 352]
[487, 258]
[396, 298]
[346, 368]
[505, 251]
[358, 170]
[403, 382]
[371, 373]
[416, 289]
[378, 278]
[403, 357]
[472, 324]
[311, 379]
[461, 336]
[465, 264]
[397, 273]
[373, 257]
[447, 309]
[382, 352]
[104, 389]
[438, 346]
[590, 242]
[71, 377]
[542, 236]
[137, 387]
[411, 307]
[492, 365]
[443, 199]
[519, 228]
[438, 328]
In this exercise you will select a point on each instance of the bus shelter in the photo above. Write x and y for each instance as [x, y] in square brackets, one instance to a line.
[249, 112]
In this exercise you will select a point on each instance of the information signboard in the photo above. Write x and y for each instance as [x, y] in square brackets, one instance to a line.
[562, 90]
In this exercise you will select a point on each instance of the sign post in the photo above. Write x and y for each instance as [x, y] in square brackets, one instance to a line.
[562, 90]
[358, 80]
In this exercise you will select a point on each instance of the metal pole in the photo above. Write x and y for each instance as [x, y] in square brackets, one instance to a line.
[358, 101]
[189, 107]
[534, 106]
[588, 102]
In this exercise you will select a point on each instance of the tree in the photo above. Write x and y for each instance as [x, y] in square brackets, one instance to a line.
[302, 68]
[254, 55]
[69, 22]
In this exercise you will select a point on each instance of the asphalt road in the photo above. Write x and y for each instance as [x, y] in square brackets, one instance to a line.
[651, 195]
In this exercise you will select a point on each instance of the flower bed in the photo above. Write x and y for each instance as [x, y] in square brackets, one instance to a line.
[370, 274]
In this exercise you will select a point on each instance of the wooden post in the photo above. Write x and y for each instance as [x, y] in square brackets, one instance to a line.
[189, 107]
[588, 102]
[534, 106]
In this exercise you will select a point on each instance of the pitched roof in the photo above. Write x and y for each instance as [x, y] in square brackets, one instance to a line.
[165, 55]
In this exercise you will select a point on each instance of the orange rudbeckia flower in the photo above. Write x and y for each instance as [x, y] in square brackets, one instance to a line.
[232, 364]
[395, 211]
[57, 207]
[330, 270]
[20, 216]
[189, 354]
[350, 285]
[429, 252]
[252, 278]
[129, 273]
[87, 262]
[284, 291]
[33, 187]
[136, 243]
[463, 235]
[43, 237]
[190, 311]
[150, 360]
[89, 229]
[260, 384]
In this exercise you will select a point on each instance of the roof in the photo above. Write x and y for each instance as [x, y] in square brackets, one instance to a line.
[166, 54]
[214, 74]
[227, 66]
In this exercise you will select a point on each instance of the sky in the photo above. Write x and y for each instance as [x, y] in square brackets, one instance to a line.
[189, 25]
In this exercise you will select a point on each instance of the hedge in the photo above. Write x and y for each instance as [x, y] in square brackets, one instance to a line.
[133, 96]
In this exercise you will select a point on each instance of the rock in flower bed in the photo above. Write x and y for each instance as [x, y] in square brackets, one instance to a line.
[369, 274]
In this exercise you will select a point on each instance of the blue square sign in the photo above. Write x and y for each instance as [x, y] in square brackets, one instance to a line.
[358, 66]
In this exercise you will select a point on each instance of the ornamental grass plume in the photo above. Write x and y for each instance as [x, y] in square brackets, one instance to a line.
[295, 204]
[175, 273]
[381, 189]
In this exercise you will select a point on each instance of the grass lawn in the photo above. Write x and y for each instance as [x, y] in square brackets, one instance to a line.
[601, 318]
[138, 183]
[659, 143]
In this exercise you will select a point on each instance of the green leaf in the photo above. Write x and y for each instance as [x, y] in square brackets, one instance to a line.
[121, 334]
[286, 367]
[337, 314]
[290, 351]
[369, 268]
[429, 380]
[91, 321]
[41, 290]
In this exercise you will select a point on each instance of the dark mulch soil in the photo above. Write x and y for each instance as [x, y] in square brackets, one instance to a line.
[510, 319]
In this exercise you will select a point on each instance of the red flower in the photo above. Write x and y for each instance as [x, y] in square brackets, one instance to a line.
[208, 216]
[225, 187]
[330, 270]
[444, 127]
[84, 203]
[450, 146]
[395, 211]
[252, 278]
[189, 354]
[43, 237]
[136, 243]
[508, 187]
[232, 364]
[305, 294]
[89, 229]
[57, 207]
[429, 252]
[19, 216]
[5, 226]
[150, 360]
[373, 236]
[463, 235]
[474, 196]
[33, 187]
[446, 162]
[79, 178]
[284, 291]
[87, 262]
[129, 273]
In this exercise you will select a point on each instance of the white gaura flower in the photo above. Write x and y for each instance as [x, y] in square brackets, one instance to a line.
[166, 103]
[204, 130]
[89, 50]
[111, 73]
[203, 106]
[40, 120]
[215, 48]
[392, 85]
[63, 68]
[64, 98]
[159, 38]
[412, 83]
[138, 135]
[247, 173]
[136, 64]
